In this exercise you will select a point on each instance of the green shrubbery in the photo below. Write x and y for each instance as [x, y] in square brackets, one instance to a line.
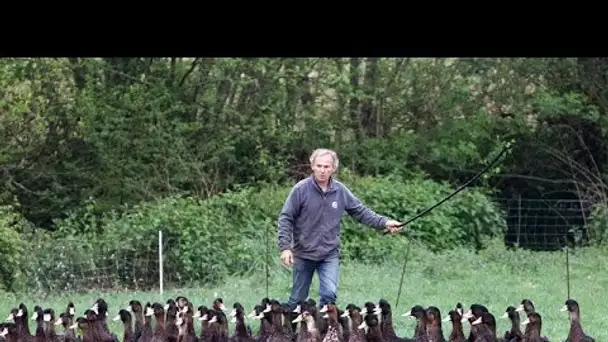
[206, 240]
[11, 248]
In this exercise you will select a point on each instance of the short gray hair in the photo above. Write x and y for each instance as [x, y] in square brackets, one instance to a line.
[324, 151]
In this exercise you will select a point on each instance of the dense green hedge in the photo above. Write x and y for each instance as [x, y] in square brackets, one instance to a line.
[205, 241]
[11, 248]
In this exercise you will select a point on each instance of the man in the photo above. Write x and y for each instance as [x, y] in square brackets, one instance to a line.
[309, 228]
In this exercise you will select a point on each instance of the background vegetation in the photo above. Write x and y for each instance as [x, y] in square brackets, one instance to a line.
[100, 154]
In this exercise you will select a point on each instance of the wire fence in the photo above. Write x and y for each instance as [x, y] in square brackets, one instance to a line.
[156, 263]
[545, 224]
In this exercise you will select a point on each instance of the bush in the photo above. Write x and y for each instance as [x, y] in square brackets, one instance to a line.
[11, 248]
[464, 221]
[204, 241]
[597, 223]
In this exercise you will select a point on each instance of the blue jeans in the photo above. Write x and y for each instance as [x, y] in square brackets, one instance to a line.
[328, 271]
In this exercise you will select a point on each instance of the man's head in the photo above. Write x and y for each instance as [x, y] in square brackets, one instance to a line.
[324, 163]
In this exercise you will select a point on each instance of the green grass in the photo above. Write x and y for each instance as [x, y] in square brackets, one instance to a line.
[495, 277]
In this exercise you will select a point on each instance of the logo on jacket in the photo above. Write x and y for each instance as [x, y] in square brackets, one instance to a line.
[334, 205]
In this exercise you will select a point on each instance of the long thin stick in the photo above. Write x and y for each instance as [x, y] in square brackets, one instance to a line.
[567, 268]
[427, 210]
[266, 238]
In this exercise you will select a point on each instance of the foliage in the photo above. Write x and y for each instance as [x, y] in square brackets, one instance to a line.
[229, 234]
[125, 130]
[89, 142]
[466, 220]
[11, 248]
[597, 224]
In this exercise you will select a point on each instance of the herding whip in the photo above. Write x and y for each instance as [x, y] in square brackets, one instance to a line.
[427, 210]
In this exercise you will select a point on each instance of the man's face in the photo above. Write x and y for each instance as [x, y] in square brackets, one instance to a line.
[323, 168]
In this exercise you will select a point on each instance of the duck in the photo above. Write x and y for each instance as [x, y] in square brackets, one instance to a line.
[386, 325]
[418, 312]
[125, 317]
[330, 313]
[159, 334]
[21, 320]
[288, 316]
[534, 323]
[187, 315]
[48, 323]
[483, 329]
[85, 326]
[576, 333]
[37, 316]
[274, 311]
[311, 333]
[171, 329]
[9, 331]
[137, 311]
[526, 306]
[371, 323]
[65, 320]
[515, 334]
[434, 331]
[201, 314]
[241, 333]
[353, 315]
[475, 311]
[146, 332]
[455, 316]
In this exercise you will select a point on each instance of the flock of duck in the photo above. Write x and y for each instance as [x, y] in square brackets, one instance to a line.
[174, 322]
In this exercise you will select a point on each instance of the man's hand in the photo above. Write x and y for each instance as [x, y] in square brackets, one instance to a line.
[393, 226]
[287, 257]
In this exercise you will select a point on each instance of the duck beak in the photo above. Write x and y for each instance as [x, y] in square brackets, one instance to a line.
[298, 319]
[407, 314]
[520, 308]
[116, 319]
[446, 319]
[466, 316]
[526, 322]
[564, 308]
[477, 321]
[323, 309]
[362, 326]
[505, 315]
[345, 314]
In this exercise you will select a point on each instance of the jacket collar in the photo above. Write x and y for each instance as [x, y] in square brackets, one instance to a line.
[331, 185]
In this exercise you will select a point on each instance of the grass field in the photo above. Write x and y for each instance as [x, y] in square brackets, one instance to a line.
[495, 277]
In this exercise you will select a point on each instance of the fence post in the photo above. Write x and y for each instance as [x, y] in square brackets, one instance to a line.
[160, 261]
